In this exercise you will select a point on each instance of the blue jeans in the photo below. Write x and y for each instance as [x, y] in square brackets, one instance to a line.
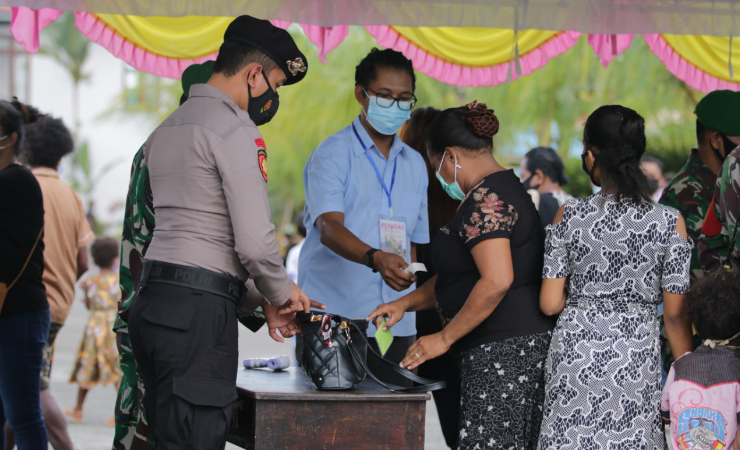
[22, 338]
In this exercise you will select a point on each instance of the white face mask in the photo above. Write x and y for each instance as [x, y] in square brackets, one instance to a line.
[2, 138]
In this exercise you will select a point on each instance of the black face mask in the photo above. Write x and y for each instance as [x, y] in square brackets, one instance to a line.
[589, 172]
[727, 144]
[263, 108]
[528, 184]
[653, 185]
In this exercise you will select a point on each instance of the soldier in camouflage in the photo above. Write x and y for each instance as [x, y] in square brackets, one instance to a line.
[692, 189]
[719, 243]
[131, 428]
[719, 223]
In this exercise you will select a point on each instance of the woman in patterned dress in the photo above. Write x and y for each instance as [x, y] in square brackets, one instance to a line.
[610, 260]
[488, 261]
[97, 359]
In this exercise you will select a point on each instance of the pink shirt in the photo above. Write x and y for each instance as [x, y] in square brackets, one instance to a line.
[701, 398]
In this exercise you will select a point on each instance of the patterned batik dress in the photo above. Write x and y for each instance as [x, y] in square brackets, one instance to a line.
[97, 359]
[603, 368]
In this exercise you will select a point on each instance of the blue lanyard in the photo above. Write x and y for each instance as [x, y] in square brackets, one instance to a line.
[377, 172]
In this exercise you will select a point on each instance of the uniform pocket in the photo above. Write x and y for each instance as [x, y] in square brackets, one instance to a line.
[201, 411]
[163, 311]
[169, 323]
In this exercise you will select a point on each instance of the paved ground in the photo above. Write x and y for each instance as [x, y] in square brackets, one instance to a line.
[95, 435]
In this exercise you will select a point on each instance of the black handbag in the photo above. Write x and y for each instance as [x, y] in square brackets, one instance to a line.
[335, 354]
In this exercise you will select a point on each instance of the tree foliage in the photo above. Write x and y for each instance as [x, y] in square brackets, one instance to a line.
[548, 108]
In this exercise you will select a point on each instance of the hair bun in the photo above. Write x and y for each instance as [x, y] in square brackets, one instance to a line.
[482, 120]
[30, 114]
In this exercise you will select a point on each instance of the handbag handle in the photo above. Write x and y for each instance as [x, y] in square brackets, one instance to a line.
[28, 260]
[425, 384]
[5, 288]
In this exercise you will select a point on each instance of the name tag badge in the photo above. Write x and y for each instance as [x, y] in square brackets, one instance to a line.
[393, 237]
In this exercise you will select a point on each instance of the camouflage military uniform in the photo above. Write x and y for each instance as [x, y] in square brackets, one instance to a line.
[690, 192]
[720, 223]
[132, 430]
[131, 426]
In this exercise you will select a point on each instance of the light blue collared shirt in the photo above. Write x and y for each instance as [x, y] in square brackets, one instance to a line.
[340, 178]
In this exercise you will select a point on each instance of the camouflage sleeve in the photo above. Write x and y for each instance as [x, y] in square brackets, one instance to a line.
[728, 201]
[138, 226]
[721, 218]
[712, 244]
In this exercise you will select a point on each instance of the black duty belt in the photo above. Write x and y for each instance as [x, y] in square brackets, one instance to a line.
[194, 278]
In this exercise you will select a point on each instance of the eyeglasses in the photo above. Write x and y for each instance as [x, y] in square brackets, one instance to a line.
[386, 101]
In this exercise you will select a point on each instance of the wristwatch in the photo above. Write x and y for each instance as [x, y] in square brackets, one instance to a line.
[370, 259]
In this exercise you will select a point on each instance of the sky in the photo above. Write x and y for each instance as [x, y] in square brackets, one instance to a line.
[109, 139]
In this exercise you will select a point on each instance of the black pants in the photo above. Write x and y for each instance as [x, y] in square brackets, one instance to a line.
[185, 346]
[395, 354]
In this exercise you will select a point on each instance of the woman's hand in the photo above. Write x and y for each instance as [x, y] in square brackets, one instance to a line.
[393, 311]
[426, 348]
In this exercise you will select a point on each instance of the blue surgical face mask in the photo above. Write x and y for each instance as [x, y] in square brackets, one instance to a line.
[386, 121]
[453, 189]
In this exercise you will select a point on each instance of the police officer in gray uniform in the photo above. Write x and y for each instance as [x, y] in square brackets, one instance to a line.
[208, 174]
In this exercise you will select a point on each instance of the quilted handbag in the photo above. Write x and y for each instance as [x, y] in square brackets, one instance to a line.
[335, 354]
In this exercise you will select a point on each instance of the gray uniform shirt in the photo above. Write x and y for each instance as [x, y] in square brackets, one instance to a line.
[206, 169]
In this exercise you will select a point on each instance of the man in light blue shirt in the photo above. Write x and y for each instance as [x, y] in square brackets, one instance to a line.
[359, 176]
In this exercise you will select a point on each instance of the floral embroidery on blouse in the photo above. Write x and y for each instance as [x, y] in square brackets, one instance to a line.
[490, 214]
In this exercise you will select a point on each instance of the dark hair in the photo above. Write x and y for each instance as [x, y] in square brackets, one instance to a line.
[367, 71]
[456, 127]
[47, 142]
[233, 56]
[712, 304]
[104, 251]
[13, 116]
[616, 137]
[298, 221]
[549, 162]
[701, 132]
[441, 207]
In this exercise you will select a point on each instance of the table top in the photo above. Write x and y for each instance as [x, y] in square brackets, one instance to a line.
[293, 384]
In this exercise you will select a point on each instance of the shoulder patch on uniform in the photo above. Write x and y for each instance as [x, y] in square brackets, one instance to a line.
[262, 159]
[260, 143]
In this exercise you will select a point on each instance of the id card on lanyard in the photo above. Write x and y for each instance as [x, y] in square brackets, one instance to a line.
[393, 238]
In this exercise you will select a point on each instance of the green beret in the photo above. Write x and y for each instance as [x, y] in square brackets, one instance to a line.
[196, 74]
[720, 111]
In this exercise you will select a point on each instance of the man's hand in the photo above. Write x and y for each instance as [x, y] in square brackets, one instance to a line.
[276, 321]
[284, 322]
[391, 266]
[299, 301]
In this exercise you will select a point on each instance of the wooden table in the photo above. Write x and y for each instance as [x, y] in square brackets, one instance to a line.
[282, 410]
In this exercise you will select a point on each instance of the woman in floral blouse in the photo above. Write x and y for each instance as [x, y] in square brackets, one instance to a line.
[488, 260]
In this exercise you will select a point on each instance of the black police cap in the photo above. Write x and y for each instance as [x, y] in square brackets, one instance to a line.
[274, 42]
